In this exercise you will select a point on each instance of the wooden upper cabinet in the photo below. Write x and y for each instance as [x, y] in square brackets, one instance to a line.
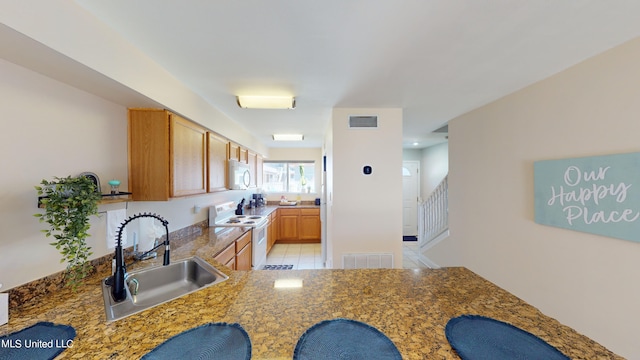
[217, 155]
[149, 154]
[188, 145]
[166, 155]
[170, 156]
[234, 151]
[259, 171]
[244, 155]
[252, 160]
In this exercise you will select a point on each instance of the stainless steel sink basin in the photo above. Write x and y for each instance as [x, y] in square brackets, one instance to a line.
[153, 286]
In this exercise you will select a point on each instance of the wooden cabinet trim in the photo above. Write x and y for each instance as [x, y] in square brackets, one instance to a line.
[309, 211]
[293, 212]
[229, 253]
[243, 240]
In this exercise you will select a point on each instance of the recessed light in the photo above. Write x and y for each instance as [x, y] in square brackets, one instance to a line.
[288, 137]
[415, 144]
[266, 102]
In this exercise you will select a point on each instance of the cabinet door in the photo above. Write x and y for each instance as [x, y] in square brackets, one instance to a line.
[231, 264]
[243, 258]
[217, 155]
[259, 170]
[271, 231]
[234, 151]
[276, 227]
[227, 256]
[309, 227]
[243, 252]
[244, 155]
[252, 158]
[188, 167]
[270, 238]
[288, 225]
[149, 154]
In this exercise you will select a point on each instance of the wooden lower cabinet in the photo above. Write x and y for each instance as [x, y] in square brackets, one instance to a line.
[243, 252]
[301, 225]
[288, 227]
[228, 256]
[272, 230]
[309, 224]
[237, 256]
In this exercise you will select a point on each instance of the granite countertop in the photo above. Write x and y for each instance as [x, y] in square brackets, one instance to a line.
[411, 307]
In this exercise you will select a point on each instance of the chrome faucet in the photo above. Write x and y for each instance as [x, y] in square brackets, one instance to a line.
[118, 280]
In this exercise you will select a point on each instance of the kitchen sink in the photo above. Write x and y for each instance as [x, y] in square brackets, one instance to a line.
[156, 285]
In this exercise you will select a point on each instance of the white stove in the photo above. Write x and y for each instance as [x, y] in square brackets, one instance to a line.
[224, 215]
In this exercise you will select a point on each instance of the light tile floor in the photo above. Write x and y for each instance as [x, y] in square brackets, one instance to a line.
[301, 256]
[308, 256]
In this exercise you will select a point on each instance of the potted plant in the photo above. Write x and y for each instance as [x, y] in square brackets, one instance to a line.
[68, 203]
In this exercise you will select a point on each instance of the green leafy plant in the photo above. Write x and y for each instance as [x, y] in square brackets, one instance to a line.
[68, 204]
[303, 180]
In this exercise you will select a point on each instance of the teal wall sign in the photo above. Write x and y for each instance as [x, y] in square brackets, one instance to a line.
[598, 194]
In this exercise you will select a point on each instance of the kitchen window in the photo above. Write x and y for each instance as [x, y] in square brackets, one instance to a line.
[289, 176]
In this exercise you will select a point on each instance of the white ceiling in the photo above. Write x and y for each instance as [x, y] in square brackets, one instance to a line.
[436, 59]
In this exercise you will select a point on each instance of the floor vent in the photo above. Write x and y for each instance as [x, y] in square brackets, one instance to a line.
[363, 121]
[367, 261]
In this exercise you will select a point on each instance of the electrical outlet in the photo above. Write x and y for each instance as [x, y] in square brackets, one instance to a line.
[196, 209]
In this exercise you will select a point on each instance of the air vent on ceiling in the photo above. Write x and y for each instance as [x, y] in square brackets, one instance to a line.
[363, 121]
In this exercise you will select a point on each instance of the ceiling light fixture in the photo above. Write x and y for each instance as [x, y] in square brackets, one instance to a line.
[288, 137]
[266, 102]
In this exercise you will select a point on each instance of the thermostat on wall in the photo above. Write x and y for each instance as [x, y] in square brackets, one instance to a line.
[367, 170]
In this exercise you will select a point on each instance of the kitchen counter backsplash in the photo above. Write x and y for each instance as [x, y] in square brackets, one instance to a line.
[37, 289]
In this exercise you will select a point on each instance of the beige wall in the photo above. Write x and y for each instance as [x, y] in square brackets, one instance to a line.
[366, 210]
[115, 58]
[434, 165]
[588, 282]
[51, 129]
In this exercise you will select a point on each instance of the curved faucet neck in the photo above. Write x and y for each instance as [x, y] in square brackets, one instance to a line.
[118, 291]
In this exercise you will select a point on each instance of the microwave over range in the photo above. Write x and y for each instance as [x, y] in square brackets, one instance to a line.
[239, 175]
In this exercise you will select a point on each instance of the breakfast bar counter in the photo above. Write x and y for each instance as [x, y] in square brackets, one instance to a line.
[411, 307]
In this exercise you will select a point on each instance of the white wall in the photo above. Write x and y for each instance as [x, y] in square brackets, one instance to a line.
[586, 281]
[366, 210]
[411, 154]
[87, 41]
[434, 166]
[52, 129]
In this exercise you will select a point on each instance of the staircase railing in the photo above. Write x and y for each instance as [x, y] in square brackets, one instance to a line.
[433, 214]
